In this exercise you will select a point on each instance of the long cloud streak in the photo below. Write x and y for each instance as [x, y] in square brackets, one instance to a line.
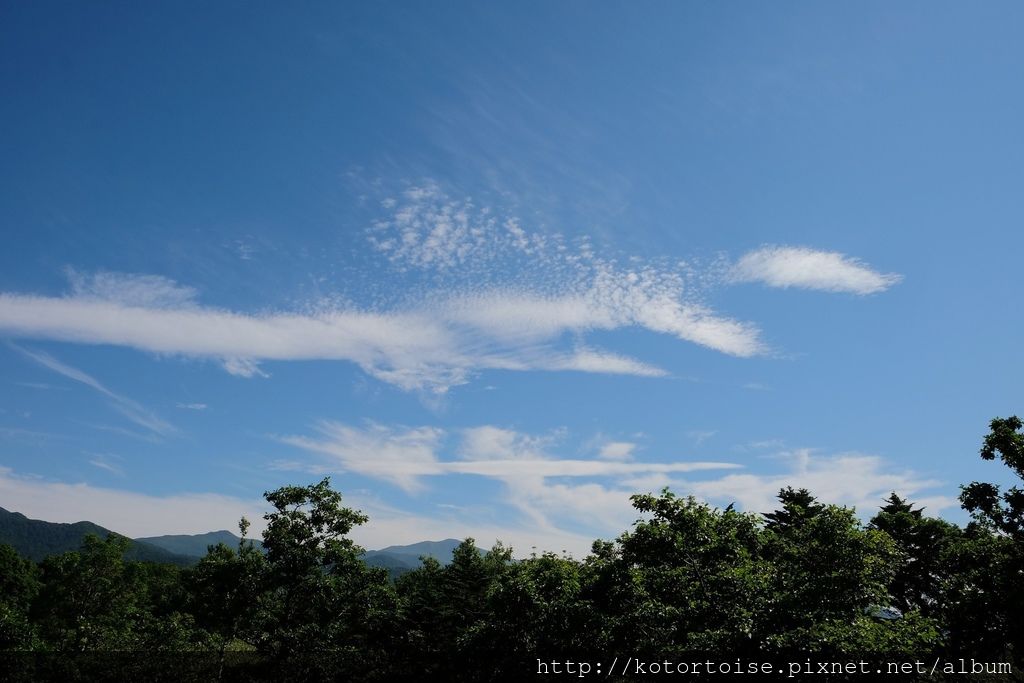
[485, 294]
[433, 348]
[124, 405]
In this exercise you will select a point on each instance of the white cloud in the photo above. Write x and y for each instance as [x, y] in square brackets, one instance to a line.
[573, 468]
[806, 268]
[191, 406]
[130, 289]
[699, 436]
[417, 348]
[535, 482]
[600, 509]
[104, 462]
[121, 431]
[124, 405]
[126, 512]
[617, 450]
[765, 443]
[403, 456]
[399, 456]
[494, 443]
[608, 299]
[483, 293]
[847, 479]
[243, 367]
[591, 360]
[410, 350]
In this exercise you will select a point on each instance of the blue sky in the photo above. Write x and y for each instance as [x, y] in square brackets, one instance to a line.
[494, 267]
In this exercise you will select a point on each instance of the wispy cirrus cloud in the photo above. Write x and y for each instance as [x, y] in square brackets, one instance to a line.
[130, 289]
[854, 479]
[399, 456]
[617, 450]
[405, 456]
[106, 462]
[131, 409]
[479, 291]
[551, 493]
[496, 443]
[566, 495]
[430, 344]
[804, 268]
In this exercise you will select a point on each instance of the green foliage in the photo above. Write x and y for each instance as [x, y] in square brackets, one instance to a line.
[923, 544]
[446, 610]
[985, 589]
[798, 506]
[694, 577]
[826, 567]
[19, 585]
[981, 593]
[223, 588]
[89, 599]
[315, 592]
[1003, 512]
[19, 579]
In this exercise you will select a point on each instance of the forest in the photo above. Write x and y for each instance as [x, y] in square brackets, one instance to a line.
[808, 579]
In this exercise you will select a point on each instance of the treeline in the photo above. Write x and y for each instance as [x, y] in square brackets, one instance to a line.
[808, 577]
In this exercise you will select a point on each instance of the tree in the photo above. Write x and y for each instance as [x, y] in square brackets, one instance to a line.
[534, 608]
[19, 584]
[986, 583]
[828, 576]
[982, 593]
[798, 506]
[922, 543]
[316, 593]
[690, 578]
[447, 612]
[89, 599]
[224, 590]
[1002, 512]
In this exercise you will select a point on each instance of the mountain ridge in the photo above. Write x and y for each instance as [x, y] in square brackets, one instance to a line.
[37, 539]
[195, 545]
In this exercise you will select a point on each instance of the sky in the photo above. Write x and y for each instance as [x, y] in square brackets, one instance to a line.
[495, 267]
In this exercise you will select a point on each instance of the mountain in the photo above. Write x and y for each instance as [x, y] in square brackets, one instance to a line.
[36, 539]
[398, 559]
[439, 550]
[194, 545]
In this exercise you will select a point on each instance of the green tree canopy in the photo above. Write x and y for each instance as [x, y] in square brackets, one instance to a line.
[1004, 511]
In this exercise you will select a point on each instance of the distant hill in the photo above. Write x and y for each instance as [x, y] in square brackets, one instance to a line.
[36, 539]
[439, 550]
[398, 559]
[194, 545]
